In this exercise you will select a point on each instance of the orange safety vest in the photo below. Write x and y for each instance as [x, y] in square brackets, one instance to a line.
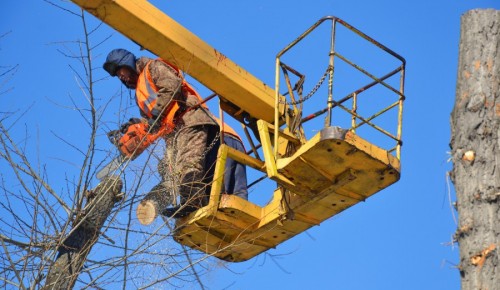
[147, 94]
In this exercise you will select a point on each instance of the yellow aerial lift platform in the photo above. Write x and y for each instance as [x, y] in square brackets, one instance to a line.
[316, 178]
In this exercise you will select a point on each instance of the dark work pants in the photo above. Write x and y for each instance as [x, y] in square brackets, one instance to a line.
[235, 176]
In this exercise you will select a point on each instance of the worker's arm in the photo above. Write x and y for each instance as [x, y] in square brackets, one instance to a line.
[168, 83]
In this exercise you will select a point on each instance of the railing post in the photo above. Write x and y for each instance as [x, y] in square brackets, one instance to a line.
[400, 113]
[328, 120]
[354, 109]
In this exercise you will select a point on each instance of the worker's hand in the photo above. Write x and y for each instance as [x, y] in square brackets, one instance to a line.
[155, 112]
[154, 125]
[131, 121]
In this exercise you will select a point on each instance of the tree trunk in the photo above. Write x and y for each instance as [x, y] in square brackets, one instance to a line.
[87, 228]
[475, 144]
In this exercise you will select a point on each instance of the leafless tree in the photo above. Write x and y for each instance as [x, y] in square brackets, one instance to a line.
[72, 230]
[475, 124]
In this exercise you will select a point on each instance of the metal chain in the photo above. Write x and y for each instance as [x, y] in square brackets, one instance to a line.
[313, 91]
[214, 141]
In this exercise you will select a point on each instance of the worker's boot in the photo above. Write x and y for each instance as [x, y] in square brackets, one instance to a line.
[179, 211]
[192, 198]
[188, 205]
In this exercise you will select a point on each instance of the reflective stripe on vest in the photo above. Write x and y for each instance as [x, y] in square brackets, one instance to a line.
[146, 92]
[149, 102]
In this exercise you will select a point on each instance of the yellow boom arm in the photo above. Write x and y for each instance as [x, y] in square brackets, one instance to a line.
[160, 34]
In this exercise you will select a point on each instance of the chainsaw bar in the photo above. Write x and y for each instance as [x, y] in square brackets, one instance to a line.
[111, 167]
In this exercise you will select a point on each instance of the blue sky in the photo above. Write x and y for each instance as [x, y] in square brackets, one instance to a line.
[398, 239]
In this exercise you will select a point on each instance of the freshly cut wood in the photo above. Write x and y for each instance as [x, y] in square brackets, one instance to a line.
[147, 211]
[153, 204]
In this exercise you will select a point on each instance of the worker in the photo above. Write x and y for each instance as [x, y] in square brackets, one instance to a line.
[164, 97]
[235, 178]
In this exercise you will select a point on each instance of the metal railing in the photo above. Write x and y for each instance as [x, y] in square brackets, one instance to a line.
[356, 119]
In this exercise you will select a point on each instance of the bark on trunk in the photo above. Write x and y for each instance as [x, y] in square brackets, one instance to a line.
[87, 228]
[475, 144]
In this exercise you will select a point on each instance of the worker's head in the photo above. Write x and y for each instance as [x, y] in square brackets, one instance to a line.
[121, 63]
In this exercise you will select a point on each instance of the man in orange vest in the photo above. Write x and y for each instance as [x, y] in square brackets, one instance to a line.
[166, 99]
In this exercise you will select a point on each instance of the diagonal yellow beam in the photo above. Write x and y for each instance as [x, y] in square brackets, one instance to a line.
[149, 27]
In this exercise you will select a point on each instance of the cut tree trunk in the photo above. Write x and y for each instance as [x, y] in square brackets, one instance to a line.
[153, 203]
[85, 233]
[475, 144]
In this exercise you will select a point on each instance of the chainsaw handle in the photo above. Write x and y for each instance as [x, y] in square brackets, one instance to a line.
[131, 121]
[114, 136]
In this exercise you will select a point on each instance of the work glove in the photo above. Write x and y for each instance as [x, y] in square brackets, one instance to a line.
[154, 125]
[155, 113]
[131, 121]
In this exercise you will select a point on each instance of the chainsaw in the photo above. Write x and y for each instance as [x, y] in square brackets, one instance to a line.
[131, 140]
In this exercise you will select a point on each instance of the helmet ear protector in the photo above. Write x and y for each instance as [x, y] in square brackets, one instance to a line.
[111, 68]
